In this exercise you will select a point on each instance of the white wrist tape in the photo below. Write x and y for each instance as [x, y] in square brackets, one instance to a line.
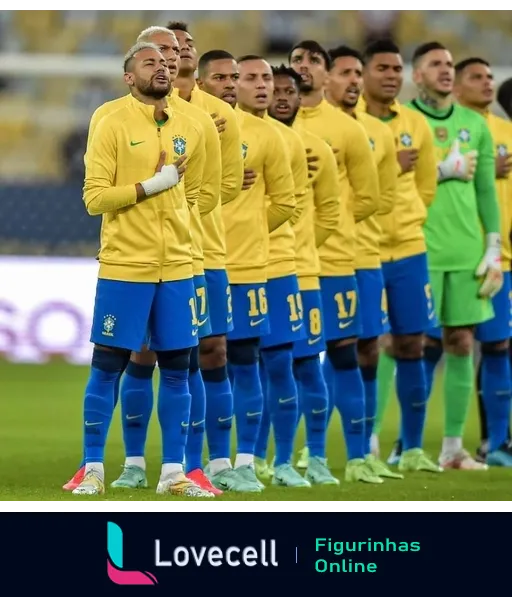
[167, 178]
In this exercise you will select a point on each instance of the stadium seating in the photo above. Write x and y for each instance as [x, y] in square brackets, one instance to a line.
[110, 33]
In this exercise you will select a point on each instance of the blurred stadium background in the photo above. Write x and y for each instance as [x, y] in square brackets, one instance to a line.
[57, 67]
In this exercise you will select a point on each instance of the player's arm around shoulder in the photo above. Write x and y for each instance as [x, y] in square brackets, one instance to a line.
[103, 159]
[361, 171]
[388, 173]
[278, 178]
[326, 193]
[425, 171]
[231, 154]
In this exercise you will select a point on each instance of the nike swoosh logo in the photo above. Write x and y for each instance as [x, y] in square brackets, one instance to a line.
[224, 419]
[194, 332]
[312, 341]
[319, 412]
[200, 323]
[345, 325]
[285, 400]
[89, 424]
[296, 327]
[253, 414]
[134, 143]
[197, 423]
[355, 421]
[229, 319]
[184, 424]
[257, 322]
[130, 417]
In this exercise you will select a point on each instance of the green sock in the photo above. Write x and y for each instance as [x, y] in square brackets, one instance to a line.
[458, 389]
[385, 380]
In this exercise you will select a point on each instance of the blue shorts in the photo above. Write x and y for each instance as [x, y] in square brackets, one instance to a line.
[500, 327]
[219, 299]
[126, 312]
[340, 303]
[372, 298]
[409, 296]
[314, 344]
[285, 312]
[204, 325]
[250, 311]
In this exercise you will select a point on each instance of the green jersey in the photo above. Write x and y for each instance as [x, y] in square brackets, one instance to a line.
[462, 212]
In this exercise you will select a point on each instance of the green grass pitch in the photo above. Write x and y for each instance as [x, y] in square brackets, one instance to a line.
[40, 430]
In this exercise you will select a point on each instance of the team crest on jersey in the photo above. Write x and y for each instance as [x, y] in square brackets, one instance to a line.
[406, 140]
[372, 144]
[464, 136]
[109, 323]
[441, 133]
[245, 149]
[502, 149]
[180, 145]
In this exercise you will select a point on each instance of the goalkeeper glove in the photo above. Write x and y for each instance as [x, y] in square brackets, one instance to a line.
[457, 166]
[167, 178]
[490, 267]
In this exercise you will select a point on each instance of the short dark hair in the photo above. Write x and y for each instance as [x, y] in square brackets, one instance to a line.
[286, 71]
[460, 66]
[380, 46]
[420, 51]
[504, 96]
[178, 26]
[344, 52]
[210, 56]
[314, 48]
[247, 57]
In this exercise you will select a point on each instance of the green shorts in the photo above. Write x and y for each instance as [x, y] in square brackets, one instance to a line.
[456, 300]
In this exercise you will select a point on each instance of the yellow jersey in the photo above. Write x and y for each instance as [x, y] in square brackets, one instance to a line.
[210, 186]
[232, 172]
[356, 172]
[281, 251]
[501, 131]
[402, 229]
[147, 240]
[320, 215]
[369, 232]
[266, 205]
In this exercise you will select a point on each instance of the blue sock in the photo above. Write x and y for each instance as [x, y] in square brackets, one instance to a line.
[264, 432]
[106, 368]
[248, 406]
[116, 398]
[328, 374]
[412, 395]
[136, 407]
[195, 440]
[496, 393]
[349, 397]
[219, 412]
[313, 403]
[369, 375]
[432, 356]
[174, 413]
[282, 399]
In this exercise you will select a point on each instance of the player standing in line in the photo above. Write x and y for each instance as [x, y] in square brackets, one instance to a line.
[474, 89]
[341, 310]
[259, 210]
[150, 290]
[504, 97]
[137, 389]
[402, 248]
[343, 91]
[318, 220]
[212, 349]
[255, 92]
[464, 244]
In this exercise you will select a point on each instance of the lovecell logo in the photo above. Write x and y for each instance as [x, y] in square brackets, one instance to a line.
[116, 573]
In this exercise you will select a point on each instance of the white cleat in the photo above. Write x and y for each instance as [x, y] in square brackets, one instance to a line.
[180, 485]
[92, 484]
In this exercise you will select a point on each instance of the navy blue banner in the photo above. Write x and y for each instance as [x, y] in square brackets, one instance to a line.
[422, 554]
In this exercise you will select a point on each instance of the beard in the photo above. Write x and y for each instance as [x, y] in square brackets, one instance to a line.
[149, 89]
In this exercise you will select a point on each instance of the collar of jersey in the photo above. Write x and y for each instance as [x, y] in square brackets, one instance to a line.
[148, 111]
